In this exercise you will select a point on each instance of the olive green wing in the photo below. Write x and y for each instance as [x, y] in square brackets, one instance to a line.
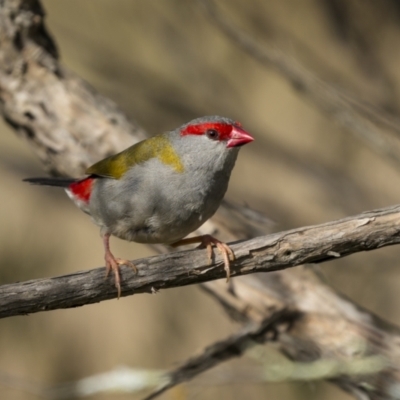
[117, 165]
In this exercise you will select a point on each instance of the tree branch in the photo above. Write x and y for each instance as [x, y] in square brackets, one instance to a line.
[224, 350]
[67, 123]
[313, 244]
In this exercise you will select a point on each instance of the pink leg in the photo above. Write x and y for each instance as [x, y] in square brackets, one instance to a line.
[113, 263]
[206, 241]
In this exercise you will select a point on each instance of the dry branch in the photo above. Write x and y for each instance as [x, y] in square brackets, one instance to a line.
[67, 123]
[231, 347]
[313, 244]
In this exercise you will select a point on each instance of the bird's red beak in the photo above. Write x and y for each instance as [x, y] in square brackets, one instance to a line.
[238, 137]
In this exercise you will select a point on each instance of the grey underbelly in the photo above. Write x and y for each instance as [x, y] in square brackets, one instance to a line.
[158, 228]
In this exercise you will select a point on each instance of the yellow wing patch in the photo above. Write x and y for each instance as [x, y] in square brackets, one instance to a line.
[155, 147]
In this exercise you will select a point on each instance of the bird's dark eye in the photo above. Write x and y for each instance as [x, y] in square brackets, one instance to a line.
[212, 134]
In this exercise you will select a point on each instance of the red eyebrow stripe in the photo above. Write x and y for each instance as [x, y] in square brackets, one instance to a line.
[200, 129]
[82, 189]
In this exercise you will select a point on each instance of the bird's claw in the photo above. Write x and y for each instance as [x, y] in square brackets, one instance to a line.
[112, 264]
[207, 241]
[227, 253]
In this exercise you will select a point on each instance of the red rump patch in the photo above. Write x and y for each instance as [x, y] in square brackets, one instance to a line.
[82, 189]
[199, 129]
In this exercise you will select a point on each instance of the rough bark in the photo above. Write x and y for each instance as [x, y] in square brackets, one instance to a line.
[70, 126]
[312, 244]
[67, 123]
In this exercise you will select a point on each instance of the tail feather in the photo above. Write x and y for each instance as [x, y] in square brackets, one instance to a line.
[60, 182]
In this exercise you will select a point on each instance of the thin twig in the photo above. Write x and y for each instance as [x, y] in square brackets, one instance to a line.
[224, 350]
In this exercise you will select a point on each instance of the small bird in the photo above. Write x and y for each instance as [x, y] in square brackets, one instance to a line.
[160, 189]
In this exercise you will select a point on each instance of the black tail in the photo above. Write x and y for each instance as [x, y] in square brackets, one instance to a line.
[61, 182]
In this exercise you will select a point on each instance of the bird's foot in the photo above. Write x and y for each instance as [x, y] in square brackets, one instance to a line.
[112, 264]
[227, 253]
[207, 241]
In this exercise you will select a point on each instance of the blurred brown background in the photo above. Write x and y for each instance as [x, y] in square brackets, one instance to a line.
[165, 62]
